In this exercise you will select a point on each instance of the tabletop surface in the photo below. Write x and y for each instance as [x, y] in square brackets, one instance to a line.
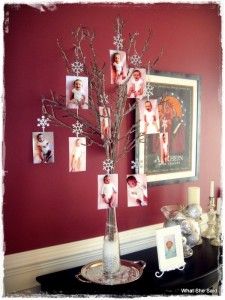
[201, 271]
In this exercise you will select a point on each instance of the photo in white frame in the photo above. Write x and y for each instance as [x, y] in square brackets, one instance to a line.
[170, 248]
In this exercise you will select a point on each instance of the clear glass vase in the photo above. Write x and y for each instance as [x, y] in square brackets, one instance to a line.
[111, 246]
[174, 216]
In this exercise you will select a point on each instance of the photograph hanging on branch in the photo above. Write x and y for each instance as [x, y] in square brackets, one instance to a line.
[164, 149]
[118, 66]
[77, 154]
[43, 147]
[137, 192]
[149, 116]
[76, 92]
[105, 122]
[107, 191]
[137, 83]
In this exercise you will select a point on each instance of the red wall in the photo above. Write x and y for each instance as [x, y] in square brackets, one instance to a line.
[46, 205]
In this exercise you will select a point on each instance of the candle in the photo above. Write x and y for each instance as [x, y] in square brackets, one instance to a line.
[218, 206]
[193, 195]
[211, 194]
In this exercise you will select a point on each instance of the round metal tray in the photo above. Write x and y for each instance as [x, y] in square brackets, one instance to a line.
[129, 271]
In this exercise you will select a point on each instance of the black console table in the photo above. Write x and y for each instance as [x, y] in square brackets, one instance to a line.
[202, 271]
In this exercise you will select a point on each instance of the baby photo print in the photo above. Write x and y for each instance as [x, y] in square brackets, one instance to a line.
[76, 92]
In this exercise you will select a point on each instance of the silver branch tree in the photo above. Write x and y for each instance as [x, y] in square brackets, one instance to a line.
[115, 107]
[85, 61]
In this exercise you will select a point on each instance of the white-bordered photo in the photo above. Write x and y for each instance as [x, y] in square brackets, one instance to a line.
[76, 92]
[137, 83]
[43, 147]
[105, 123]
[137, 192]
[77, 154]
[149, 116]
[107, 191]
[118, 66]
[164, 147]
[170, 248]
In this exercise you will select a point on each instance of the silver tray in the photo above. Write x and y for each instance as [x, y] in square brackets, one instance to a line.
[129, 271]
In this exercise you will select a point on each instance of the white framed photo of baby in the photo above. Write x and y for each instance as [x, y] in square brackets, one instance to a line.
[107, 191]
[76, 92]
[137, 192]
[43, 147]
[170, 248]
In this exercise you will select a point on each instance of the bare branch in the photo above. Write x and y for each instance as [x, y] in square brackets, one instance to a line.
[151, 65]
[130, 109]
[132, 43]
[146, 44]
[64, 56]
[130, 145]
[116, 109]
[79, 36]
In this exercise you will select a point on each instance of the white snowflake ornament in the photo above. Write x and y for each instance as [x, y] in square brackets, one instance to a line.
[108, 165]
[77, 128]
[104, 99]
[135, 60]
[43, 122]
[77, 67]
[118, 41]
[149, 89]
[136, 164]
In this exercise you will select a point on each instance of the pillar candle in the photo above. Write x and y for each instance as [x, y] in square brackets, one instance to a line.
[193, 195]
[218, 206]
[211, 194]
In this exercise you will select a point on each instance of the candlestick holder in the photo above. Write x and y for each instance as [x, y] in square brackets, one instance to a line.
[210, 232]
[217, 241]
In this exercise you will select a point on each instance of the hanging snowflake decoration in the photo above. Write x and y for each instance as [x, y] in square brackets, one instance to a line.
[43, 122]
[136, 165]
[149, 89]
[77, 128]
[135, 60]
[104, 99]
[118, 41]
[77, 67]
[108, 165]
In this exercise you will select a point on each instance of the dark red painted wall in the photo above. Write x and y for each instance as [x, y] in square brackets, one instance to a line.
[46, 205]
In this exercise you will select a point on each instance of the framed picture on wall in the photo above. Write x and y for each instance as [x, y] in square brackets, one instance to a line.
[168, 143]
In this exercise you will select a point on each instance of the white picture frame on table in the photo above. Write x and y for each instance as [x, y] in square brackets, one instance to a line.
[170, 248]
